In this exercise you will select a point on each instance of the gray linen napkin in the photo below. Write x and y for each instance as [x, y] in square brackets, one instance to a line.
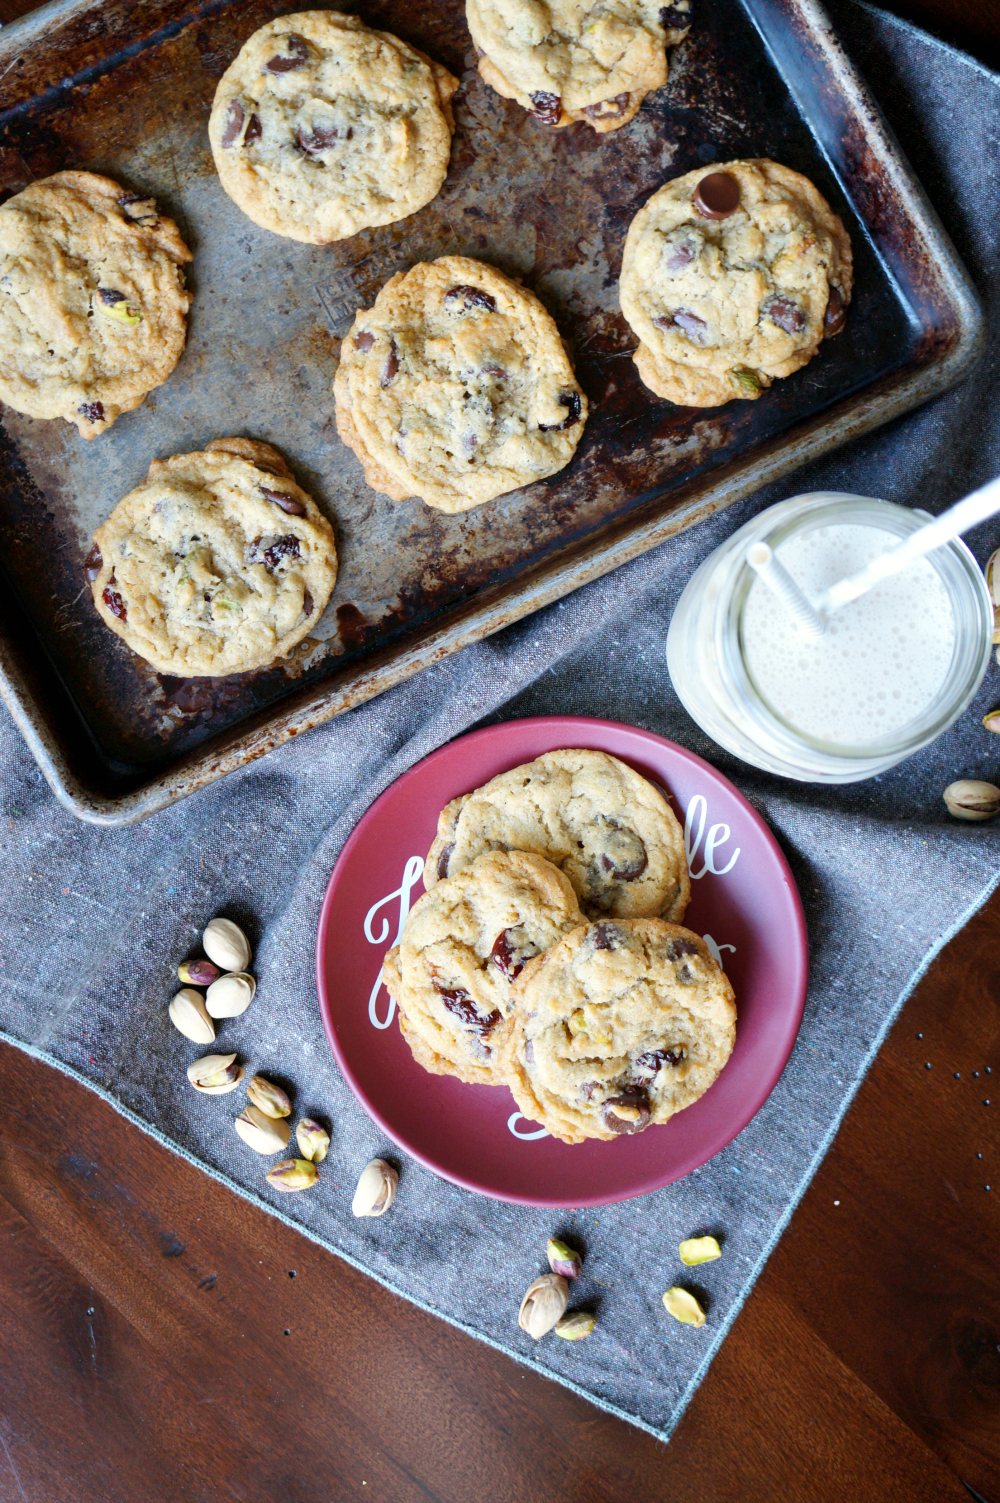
[93, 920]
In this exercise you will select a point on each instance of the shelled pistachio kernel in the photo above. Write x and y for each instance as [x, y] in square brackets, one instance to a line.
[543, 1305]
[313, 1140]
[684, 1307]
[699, 1250]
[231, 995]
[263, 1134]
[268, 1097]
[576, 1325]
[215, 1074]
[198, 972]
[971, 799]
[226, 944]
[376, 1189]
[293, 1174]
[188, 1015]
[563, 1259]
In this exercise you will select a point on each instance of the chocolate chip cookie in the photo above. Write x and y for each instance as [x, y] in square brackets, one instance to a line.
[463, 946]
[322, 127]
[217, 563]
[619, 1026]
[607, 829]
[732, 278]
[456, 387]
[569, 60]
[93, 308]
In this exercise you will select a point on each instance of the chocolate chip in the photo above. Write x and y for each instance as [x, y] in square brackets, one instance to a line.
[835, 316]
[320, 138]
[114, 601]
[286, 547]
[235, 117]
[529, 1051]
[635, 1101]
[647, 1065]
[296, 57]
[287, 503]
[469, 297]
[363, 341]
[678, 947]
[93, 564]
[786, 314]
[391, 365]
[546, 107]
[470, 443]
[588, 1088]
[109, 296]
[690, 324]
[507, 960]
[625, 857]
[604, 936]
[717, 195]
[571, 401]
[93, 411]
[254, 131]
[673, 19]
[308, 604]
[608, 109]
[458, 1001]
[496, 371]
[443, 859]
[681, 255]
[139, 208]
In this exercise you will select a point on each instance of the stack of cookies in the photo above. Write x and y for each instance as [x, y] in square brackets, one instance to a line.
[546, 954]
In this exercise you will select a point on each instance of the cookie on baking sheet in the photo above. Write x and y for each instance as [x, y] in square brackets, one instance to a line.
[569, 60]
[456, 387]
[619, 1026]
[609, 830]
[732, 278]
[93, 308]
[464, 944]
[217, 563]
[322, 127]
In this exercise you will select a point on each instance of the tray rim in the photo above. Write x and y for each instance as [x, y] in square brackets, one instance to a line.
[615, 545]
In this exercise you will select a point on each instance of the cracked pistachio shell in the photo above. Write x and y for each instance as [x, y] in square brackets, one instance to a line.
[268, 1097]
[699, 1250]
[293, 1174]
[563, 1259]
[198, 972]
[230, 995]
[684, 1307]
[543, 1305]
[313, 1140]
[971, 799]
[576, 1325]
[992, 721]
[226, 944]
[188, 1015]
[993, 585]
[215, 1074]
[262, 1134]
[376, 1189]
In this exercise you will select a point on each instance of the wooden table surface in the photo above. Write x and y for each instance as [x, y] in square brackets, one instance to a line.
[162, 1340]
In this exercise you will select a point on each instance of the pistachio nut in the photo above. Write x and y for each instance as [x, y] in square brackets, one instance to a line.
[376, 1189]
[578, 1023]
[198, 972]
[215, 1074]
[293, 1174]
[684, 1307]
[113, 304]
[745, 380]
[699, 1250]
[971, 799]
[268, 1097]
[263, 1134]
[993, 585]
[576, 1325]
[543, 1305]
[230, 995]
[563, 1259]
[313, 1140]
[992, 721]
[188, 1015]
[226, 944]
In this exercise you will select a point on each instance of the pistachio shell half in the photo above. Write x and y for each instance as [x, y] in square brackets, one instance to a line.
[376, 1189]
[230, 995]
[263, 1134]
[215, 1074]
[226, 944]
[188, 1015]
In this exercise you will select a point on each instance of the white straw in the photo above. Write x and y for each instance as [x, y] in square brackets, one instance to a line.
[966, 514]
[780, 582]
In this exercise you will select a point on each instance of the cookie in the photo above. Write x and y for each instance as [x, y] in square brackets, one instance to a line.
[464, 944]
[564, 60]
[609, 830]
[322, 127]
[93, 308]
[217, 563]
[617, 1027]
[456, 387]
[731, 279]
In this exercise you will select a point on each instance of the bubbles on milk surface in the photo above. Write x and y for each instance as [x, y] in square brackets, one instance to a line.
[883, 658]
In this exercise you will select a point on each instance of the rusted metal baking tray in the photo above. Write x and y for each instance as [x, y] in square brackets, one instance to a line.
[124, 88]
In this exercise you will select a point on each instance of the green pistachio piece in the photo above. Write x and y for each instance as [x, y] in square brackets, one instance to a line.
[745, 380]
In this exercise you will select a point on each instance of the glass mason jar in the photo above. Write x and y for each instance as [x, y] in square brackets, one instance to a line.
[707, 660]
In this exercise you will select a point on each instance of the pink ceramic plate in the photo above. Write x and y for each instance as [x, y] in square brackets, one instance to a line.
[744, 902]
